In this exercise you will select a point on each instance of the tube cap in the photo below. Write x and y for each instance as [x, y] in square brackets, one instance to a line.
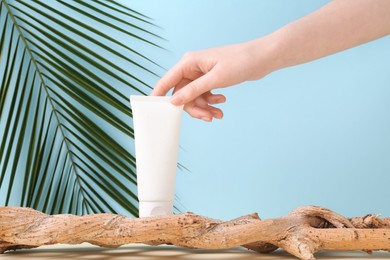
[155, 208]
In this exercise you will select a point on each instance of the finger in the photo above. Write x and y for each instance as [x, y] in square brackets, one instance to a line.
[181, 84]
[194, 89]
[201, 100]
[204, 113]
[216, 112]
[201, 103]
[198, 112]
[215, 99]
[168, 81]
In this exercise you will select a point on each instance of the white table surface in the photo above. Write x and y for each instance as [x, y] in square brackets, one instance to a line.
[144, 252]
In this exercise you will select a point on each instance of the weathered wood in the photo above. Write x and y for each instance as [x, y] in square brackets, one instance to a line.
[302, 233]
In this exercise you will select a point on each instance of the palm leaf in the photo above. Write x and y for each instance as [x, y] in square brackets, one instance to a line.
[65, 122]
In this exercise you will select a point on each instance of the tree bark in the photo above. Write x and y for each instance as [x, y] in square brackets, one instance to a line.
[302, 233]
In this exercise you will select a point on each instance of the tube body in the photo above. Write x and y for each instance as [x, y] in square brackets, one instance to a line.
[156, 134]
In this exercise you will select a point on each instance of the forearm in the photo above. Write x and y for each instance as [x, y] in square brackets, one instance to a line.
[337, 26]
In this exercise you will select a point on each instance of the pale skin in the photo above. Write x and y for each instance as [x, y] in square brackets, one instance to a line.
[337, 26]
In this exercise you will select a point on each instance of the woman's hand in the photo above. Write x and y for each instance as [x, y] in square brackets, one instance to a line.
[199, 72]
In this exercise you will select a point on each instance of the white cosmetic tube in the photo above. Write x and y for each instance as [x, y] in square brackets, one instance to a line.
[156, 134]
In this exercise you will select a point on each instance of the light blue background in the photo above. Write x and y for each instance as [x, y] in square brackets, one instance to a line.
[314, 134]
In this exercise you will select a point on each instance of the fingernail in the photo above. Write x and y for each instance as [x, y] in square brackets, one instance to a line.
[177, 99]
[207, 119]
[221, 100]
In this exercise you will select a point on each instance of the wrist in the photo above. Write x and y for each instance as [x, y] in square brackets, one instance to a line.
[265, 55]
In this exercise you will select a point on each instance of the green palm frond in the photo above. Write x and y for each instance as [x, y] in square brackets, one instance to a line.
[66, 72]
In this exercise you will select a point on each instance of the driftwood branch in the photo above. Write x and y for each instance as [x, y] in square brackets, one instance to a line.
[302, 233]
